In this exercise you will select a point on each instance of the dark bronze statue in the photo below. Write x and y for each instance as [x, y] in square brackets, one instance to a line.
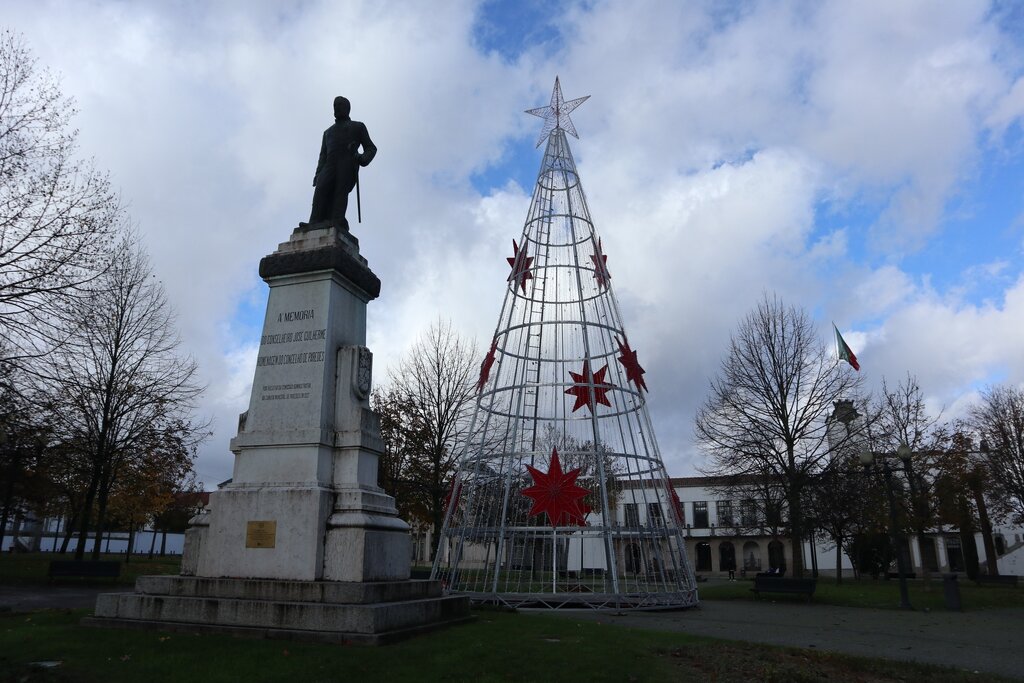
[337, 171]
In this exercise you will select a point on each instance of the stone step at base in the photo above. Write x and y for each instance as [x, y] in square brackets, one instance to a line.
[367, 619]
[335, 637]
[335, 592]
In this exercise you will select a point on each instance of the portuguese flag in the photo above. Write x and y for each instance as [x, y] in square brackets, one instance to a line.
[844, 351]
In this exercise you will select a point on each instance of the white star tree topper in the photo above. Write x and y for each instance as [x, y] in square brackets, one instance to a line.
[556, 114]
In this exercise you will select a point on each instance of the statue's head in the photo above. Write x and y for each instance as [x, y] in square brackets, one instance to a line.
[342, 107]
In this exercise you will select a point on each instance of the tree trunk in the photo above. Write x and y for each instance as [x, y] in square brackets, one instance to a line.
[968, 545]
[5, 515]
[152, 541]
[437, 496]
[991, 561]
[926, 573]
[101, 513]
[37, 538]
[69, 531]
[796, 531]
[163, 543]
[131, 540]
[83, 526]
[814, 554]
[8, 504]
[839, 563]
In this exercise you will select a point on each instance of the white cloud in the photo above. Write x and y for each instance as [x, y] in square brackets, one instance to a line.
[713, 135]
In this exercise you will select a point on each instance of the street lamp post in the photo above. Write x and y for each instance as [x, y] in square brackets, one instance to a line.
[867, 458]
[917, 503]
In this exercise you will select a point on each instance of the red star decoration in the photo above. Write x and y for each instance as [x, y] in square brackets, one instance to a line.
[601, 267]
[454, 495]
[590, 389]
[634, 373]
[677, 505]
[557, 494]
[485, 366]
[520, 263]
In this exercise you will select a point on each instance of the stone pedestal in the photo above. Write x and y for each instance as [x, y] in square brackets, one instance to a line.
[303, 504]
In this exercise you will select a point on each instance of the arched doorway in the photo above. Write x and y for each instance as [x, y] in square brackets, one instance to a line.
[726, 557]
[777, 556]
[634, 563]
[703, 557]
[751, 556]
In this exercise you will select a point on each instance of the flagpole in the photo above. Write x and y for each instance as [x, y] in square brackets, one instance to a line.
[835, 340]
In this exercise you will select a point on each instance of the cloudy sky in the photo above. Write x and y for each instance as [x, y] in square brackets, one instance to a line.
[864, 160]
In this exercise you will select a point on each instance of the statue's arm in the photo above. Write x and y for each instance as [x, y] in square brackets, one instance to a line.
[320, 161]
[369, 149]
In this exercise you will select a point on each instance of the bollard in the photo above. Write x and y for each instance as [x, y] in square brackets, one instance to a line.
[951, 590]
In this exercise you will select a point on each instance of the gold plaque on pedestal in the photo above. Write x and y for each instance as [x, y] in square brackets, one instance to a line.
[261, 534]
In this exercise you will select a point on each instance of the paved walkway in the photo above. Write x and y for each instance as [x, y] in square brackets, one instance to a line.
[981, 641]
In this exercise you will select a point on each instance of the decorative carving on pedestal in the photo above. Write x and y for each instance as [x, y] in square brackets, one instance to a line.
[363, 374]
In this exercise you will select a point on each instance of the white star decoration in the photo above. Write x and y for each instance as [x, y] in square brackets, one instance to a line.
[556, 114]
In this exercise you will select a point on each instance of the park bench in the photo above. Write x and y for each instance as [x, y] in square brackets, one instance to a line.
[90, 569]
[771, 584]
[1001, 580]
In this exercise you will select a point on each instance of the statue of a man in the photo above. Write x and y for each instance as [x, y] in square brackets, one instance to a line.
[338, 168]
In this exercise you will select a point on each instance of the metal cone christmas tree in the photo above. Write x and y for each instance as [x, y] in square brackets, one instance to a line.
[561, 498]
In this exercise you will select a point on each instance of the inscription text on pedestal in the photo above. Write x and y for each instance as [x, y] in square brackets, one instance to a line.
[261, 534]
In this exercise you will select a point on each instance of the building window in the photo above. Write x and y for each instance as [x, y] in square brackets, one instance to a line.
[700, 514]
[634, 561]
[654, 514]
[725, 513]
[748, 513]
[632, 515]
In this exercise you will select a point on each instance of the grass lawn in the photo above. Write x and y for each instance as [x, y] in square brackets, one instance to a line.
[18, 568]
[498, 646]
[884, 594]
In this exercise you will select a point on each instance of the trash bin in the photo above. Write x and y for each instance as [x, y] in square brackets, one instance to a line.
[951, 590]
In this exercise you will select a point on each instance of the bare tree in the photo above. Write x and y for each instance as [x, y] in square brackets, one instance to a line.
[403, 438]
[999, 420]
[436, 381]
[120, 387]
[901, 419]
[58, 216]
[20, 433]
[960, 487]
[767, 409]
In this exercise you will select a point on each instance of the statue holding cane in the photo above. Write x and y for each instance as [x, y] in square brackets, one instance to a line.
[337, 170]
